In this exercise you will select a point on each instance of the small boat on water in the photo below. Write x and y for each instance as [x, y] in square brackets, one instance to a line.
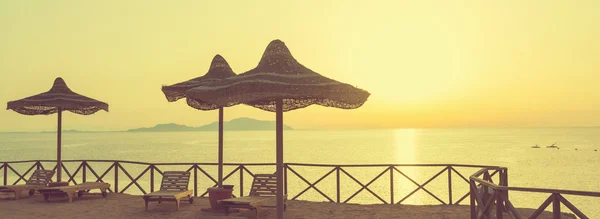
[535, 146]
[552, 146]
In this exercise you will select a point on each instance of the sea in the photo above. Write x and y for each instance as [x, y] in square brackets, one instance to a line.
[573, 166]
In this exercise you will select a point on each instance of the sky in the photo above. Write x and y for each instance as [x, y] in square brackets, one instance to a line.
[427, 64]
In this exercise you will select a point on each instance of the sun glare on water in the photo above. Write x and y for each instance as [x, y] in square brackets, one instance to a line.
[404, 145]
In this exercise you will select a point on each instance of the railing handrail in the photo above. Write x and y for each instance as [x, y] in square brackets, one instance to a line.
[394, 172]
[137, 162]
[530, 189]
[264, 164]
[482, 199]
[474, 177]
[387, 165]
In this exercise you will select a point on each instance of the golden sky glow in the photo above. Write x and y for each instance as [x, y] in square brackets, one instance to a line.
[426, 63]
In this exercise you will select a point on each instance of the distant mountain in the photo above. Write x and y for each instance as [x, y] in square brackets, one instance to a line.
[63, 131]
[239, 124]
[170, 127]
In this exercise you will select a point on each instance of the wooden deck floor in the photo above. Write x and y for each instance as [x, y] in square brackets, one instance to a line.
[129, 206]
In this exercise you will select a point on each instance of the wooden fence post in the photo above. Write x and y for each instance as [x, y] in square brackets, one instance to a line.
[472, 195]
[83, 173]
[285, 181]
[337, 183]
[151, 177]
[486, 192]
[116, 166]
[391, 184]
[5, 173]
[556, 206]
[449, 184]
[196, 180]
[506, 182]
[241, 169]
[499, 206]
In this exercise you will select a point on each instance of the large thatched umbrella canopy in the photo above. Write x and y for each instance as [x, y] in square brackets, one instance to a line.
[59, 98]
[279, 76]
[219, 69]
[279, 83]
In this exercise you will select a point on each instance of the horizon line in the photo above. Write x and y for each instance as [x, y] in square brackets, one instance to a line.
[313, 129]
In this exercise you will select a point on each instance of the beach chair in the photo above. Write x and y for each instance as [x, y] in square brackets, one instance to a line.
[39, 179]
[173, 187]
[70, 191]
[262, 194]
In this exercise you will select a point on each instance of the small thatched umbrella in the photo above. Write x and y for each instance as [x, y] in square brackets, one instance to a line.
[219, 69]
[279, 83]
[59, 98]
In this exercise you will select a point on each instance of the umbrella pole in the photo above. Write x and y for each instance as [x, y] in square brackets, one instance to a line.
[279, 142]
[220, 183]
[58, 145]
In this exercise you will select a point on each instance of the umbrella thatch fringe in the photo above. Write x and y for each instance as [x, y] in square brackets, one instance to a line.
[59, 97]
[219, 69]
[278, 76]
[262, 96]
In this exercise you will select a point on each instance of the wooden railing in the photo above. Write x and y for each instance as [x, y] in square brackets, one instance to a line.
[119, 174]
[486, 194]
[382, 169]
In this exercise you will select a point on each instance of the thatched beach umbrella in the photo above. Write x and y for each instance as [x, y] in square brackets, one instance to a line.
[58, 99]
[219, 69]
[278, 84]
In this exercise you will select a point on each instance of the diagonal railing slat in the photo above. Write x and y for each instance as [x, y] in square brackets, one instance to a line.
[485, 208]
[461, 199]
[207, 175]
[94, 173]
[158, 170]
[498, 192]
[228, 175]
[25, 174]
[503, 202]
[311, 185]
[542, 207]
[190, 169]
[249, 172]
[572, 207]
[98, 178]
[134, 181]
[477, 196]
[421, 186]
[17, 173]
[510, 206]
[67, 172]
[466, 181]
[72, 178]
[224, 178]
[459, 174]
[363, 186]
[123, 185]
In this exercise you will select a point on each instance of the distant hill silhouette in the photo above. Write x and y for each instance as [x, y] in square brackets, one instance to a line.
[63, 131]
[239, 124]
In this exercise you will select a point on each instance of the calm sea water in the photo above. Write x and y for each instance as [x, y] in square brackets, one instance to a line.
[573, 166]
